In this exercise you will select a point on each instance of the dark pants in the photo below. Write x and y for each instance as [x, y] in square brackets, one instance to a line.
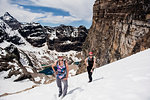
[65, 82]
[89, 73]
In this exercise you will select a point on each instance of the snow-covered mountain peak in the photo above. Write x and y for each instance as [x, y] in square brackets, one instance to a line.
[11, 21]
[7, 16]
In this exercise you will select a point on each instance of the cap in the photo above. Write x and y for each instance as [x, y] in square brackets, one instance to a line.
[90, 53]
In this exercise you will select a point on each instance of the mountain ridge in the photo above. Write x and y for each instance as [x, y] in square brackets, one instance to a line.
[24, 49]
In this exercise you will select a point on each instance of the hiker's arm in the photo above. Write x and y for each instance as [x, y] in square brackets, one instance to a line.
[67, 69]
[94, 64]
[53, 67]
[85, 61]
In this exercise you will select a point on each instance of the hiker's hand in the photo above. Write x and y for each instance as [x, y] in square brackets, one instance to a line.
[65, 79]
[91, 70]
[87, 65]
[55, 74]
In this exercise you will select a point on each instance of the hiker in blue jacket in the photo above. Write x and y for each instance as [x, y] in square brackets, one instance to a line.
[90, 63]
[61, 75]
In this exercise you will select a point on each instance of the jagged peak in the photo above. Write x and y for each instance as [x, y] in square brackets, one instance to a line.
[10, 20]
[7, 16]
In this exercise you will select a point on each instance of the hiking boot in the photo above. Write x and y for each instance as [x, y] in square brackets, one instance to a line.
[90, 81]
[59, 94]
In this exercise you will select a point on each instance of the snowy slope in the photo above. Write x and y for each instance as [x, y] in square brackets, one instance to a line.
[126, 79]
[9, 86]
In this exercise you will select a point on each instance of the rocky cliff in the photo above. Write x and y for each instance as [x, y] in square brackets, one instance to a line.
[119, 29]
[62, 38]
[66, 38]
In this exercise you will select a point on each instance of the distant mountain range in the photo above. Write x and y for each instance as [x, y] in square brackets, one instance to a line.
[62, 38]
[24, 47]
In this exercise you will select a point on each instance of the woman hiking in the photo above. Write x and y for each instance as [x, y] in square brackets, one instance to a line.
[61, 75]
[90, 63]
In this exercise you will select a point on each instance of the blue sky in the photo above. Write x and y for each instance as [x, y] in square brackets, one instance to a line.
[50, 12]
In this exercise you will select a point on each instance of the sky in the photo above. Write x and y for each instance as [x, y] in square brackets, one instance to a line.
[50, 12]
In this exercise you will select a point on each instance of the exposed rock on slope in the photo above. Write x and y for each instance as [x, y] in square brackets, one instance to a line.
[12, 61]
[66, 38]
[34, 33]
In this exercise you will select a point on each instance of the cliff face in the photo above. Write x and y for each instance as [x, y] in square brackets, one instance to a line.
[65, 38]
[119, 29]
[62, 38]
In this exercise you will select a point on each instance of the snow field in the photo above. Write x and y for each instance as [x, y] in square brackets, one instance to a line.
[126, 79]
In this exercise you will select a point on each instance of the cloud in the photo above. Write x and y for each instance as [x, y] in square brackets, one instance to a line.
[57, 19]
[17, 11]
[78, 10]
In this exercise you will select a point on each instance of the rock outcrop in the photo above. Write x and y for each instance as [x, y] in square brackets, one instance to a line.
[119, 29]
[34, 33]
[65, 38]
[13, 61]
[9, 34]
[62, 38]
